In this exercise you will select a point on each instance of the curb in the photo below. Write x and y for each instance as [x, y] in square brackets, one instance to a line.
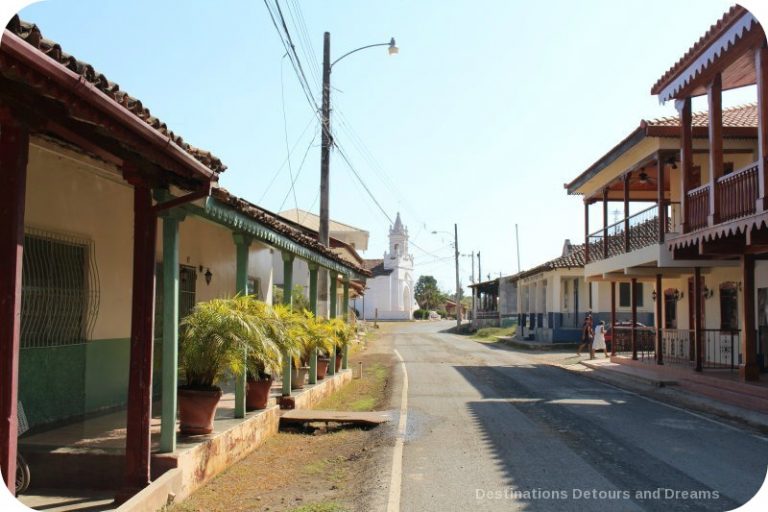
[675, 396]
[506, 340]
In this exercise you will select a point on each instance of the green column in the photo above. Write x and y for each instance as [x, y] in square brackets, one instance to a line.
[287, 288]
[313, 308]
[332, 279]
[242, 247]
[170, 364]
[345, 309]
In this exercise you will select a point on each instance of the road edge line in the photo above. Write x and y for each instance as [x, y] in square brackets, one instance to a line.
[396, 480]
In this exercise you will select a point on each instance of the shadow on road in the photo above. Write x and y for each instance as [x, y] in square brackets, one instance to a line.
[554, 432]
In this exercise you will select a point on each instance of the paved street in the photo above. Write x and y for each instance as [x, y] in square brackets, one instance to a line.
[492, 429]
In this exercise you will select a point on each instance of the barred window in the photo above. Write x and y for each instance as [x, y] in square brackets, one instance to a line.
[254, 287]
[60, 290]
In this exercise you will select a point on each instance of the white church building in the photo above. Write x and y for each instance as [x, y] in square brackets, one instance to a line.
[389, 291]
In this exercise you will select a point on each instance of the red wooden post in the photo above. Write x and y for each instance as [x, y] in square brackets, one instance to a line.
[715, 100]
[697, 318]
[686, 157]
[660, 199]
[659, 324]
[633, 293]
[626, 211]
[137, 443]
[586, 230]
[761, 72]
[605, 223]
[613, 318]
[14, 147]
[750, 369]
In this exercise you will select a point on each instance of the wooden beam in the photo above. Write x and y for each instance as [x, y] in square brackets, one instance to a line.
[750, 370]
[761, 74]
[627, 177]
[14, 148]
[686, 157]
[659, 323]
[698, 307]
[613, 317]
[586, 231]
[605, 223]
[137, 442]
[633, 301]
[715, 101]
[660, 200]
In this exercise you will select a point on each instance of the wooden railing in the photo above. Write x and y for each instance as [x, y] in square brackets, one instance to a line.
[698, 208]
[738, 193]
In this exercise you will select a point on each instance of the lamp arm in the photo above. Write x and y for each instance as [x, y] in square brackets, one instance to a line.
[357, 50]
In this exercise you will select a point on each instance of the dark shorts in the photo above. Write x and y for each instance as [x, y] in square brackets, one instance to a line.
[587, 339]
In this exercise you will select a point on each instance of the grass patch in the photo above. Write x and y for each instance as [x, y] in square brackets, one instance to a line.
[361, 395]
[327, 506]
[488, 333]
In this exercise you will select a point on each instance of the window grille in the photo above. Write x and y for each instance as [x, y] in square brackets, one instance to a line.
[187, 289]
[60, 290]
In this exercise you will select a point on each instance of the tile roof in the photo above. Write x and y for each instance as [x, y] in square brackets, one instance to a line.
[739, 116]
[729, 18]
[30, 33]
[285, 227]
[574, 259]
[376, 267]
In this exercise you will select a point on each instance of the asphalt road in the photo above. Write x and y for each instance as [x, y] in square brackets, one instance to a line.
[493, 429]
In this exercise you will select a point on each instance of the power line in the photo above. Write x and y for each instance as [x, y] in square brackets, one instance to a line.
[285, 131]
[277, 172]
[298, 173]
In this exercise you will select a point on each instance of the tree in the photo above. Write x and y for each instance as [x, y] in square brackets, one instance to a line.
[427, 294]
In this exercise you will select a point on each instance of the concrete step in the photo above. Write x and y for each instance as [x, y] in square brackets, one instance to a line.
[637, 375]
[725, 395]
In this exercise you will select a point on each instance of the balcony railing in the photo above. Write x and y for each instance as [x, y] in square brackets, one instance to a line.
[698, 208]
[643, 232]
[738, 193]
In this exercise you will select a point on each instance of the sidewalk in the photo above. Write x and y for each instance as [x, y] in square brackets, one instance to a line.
[712, 392]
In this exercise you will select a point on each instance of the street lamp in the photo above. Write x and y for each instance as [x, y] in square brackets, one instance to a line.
[325, 152]
[323, 233]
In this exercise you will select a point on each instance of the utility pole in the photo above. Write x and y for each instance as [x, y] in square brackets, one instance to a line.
[458, 286]
[323, 232]
[479, 271]
[517, 242]
[474, 309]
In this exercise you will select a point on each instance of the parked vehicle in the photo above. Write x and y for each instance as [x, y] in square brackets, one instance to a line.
[434, 315]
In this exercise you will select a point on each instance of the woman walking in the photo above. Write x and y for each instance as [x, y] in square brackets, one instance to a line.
[599, 341]
[586, 335]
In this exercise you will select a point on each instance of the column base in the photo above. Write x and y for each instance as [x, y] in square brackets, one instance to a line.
[749, 372]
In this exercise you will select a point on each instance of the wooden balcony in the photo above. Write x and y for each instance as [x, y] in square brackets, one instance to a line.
[615, 239]
[697, 213]
[738, 193]
[737, 197]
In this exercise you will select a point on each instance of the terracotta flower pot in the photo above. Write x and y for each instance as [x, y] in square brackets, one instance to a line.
[197, 408]
[322, 367]
[298, 376]
[339, 357]
[257, 395]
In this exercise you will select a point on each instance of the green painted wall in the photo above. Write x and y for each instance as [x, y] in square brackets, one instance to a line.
[60, 383]
[52, 383]
[106, 373]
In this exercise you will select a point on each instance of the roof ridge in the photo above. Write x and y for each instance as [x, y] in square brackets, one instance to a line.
[30, 34]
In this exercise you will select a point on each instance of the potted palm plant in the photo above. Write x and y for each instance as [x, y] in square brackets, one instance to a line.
[264, 352]
[292, 334]
[343, 334]
[214, 338]
[317, 336]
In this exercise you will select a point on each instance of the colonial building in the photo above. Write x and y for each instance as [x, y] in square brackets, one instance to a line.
[390, 290]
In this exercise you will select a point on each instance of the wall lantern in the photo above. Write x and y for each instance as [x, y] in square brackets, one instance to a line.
[208, 274]
[653, 295]
[707, 292]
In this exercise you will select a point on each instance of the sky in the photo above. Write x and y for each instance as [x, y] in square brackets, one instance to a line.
[488, 109]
